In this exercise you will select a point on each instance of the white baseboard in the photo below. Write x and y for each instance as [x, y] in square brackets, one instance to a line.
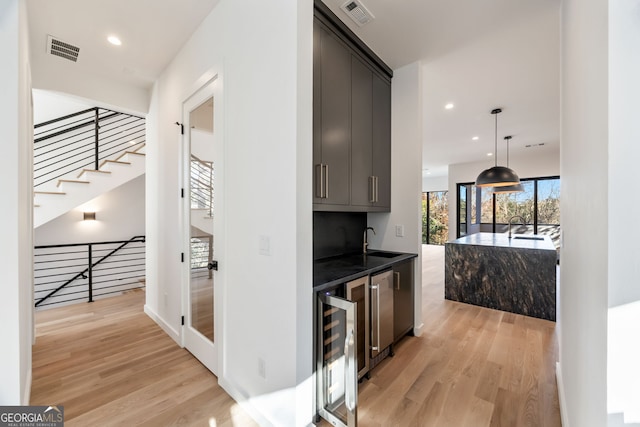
[417, 330]
[243, 401]
[26, 397]
[175, 335]
[561, 396]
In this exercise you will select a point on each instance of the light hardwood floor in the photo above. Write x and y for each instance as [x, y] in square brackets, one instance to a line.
[471, 367]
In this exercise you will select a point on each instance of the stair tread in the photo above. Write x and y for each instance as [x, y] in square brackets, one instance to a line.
[139, 148]
[58, 193]
[104, 162]
[74, 181]
[92, 170]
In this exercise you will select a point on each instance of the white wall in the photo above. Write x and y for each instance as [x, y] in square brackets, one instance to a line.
[58, 76]
[538, 163]
[584, 171]
[120, 215]
[624, 150]
[49, 105]
[406, 178]
[264, 55]
[16, 221]
[436, 183]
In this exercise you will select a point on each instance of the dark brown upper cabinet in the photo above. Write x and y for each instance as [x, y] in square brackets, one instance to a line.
[351, 121]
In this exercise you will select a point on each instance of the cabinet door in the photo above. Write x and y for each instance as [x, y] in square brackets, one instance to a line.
[317, 114]
[402, 299]
[381, 141]
[361, 133]
[335, 127]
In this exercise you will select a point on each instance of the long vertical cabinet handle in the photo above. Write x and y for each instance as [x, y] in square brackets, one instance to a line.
[397, 277]
[372, 189]
[322, 181]
[375, 180]
[376, 320]
[326, 181]
[319, 180]
[351, 373]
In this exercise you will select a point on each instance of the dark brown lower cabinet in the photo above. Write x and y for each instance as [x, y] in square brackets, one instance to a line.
[403, 309]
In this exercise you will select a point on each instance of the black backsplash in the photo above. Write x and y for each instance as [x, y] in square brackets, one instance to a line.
[337, 233]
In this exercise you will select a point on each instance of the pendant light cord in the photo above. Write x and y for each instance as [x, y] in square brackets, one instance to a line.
[496, 142]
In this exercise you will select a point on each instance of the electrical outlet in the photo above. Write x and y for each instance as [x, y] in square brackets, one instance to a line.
[399, 230]
[262, 368]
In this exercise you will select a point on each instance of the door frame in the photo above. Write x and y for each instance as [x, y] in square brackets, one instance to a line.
[206, 87]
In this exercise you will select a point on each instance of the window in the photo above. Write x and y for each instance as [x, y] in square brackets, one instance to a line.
[538, 205]
[435, 217]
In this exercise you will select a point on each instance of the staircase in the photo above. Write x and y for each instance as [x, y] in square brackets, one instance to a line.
[83, 155]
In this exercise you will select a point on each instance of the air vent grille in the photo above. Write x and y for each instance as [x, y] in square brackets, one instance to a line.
[62, 49]
[357, 12]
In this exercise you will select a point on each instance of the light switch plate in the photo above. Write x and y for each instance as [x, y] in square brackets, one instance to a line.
[399, 230]
[264, 245]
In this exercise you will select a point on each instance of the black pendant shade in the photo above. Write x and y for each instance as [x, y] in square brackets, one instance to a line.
[497, 176]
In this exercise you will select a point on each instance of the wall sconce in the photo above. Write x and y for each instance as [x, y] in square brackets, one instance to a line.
[89, 216]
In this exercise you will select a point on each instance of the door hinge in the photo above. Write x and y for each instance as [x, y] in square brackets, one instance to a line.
[182, 257]
[182, 193]
[182, 320]
[181, 128]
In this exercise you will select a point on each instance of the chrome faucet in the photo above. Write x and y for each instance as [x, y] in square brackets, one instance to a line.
[512, 218]
[364, 239]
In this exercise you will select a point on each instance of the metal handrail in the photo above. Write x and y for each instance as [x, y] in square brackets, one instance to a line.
[83, 139]
[88, 272]
[201, 175]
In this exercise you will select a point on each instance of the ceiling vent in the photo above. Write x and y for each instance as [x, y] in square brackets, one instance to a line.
[62, 49]
[358, 12]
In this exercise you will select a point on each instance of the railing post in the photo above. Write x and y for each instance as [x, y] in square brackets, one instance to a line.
[97, 149]
[90, 273]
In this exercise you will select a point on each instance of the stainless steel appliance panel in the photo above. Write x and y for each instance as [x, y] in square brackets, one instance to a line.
[381, 312]
[358, 292]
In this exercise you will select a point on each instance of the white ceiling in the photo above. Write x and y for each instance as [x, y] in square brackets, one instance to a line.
[151, 31]
[476, 54]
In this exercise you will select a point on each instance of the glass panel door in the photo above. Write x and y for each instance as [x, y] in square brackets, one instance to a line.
[201, 175]
[337, 370]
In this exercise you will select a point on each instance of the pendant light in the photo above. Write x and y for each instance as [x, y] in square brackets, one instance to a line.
[497, 176]
[518, 188]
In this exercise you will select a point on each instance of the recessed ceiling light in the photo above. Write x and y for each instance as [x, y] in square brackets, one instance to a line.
[114, 40]
[489, 154]
[449, 106]
[475, 138]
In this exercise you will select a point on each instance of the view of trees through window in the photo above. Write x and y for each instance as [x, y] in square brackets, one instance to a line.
[538, 205]
[435, 217]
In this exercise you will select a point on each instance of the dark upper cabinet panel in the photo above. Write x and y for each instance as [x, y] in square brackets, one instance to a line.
[351, 121]
[381, 142]
[361, 133]
[334, 103]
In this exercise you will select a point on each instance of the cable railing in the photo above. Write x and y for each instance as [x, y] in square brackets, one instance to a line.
[202, 185]
[82, 140]
[84, 271]
[201, 256]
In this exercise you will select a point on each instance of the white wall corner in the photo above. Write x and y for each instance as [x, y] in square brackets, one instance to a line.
[561, 397]
[174, 334]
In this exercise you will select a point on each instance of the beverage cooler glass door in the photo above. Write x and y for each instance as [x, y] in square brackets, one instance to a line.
[337, 369]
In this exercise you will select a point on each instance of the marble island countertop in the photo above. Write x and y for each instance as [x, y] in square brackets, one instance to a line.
[518, 241]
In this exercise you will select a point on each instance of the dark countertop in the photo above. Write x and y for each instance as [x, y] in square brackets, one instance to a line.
[517, 241]
[344, 268]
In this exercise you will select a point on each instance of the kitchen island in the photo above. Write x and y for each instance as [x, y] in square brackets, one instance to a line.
[516, 274]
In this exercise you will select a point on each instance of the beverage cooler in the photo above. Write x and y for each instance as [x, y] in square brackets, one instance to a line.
[337, 369]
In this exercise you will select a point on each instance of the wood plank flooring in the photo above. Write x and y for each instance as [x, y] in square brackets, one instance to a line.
[471, 367]
[109, 364]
